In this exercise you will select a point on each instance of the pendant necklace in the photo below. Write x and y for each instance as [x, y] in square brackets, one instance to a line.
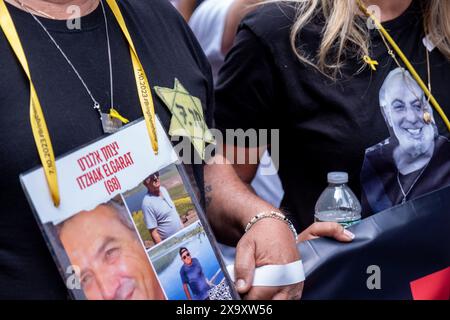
[405, 194]
[112, 121]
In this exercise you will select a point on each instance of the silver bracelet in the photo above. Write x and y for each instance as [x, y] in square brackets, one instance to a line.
[272, 215]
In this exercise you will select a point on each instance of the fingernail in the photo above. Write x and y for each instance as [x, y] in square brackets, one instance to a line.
[349, 234]
[240, 284]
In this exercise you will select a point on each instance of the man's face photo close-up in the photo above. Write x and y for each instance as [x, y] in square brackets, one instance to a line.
[406, 106]
[112, 263]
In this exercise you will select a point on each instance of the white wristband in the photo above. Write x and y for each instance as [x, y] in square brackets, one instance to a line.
[275, 275]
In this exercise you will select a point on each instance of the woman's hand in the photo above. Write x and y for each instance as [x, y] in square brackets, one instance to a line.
[326, 229]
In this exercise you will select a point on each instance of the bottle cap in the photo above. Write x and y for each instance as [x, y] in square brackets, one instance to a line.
[338, 177]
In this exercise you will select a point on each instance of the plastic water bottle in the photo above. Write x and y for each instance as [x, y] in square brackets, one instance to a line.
[338, 203]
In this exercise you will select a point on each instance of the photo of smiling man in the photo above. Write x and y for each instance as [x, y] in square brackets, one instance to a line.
[415, 159]
[105, 247]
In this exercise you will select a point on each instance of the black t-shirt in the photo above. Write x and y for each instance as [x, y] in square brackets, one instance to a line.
[328, 125]
[167, 50]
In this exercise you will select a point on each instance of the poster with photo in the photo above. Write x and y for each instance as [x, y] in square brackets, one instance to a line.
[161, 206]
[121, 202]
[187, 267]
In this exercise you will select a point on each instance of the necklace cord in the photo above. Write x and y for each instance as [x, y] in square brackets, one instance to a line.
[416, 180]
[39, 127]
[95, 102]
[83, 82]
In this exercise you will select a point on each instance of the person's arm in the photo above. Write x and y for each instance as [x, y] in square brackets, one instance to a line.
[224, 182]
[236, 12]
[150, 220]
[184, 281]
[269, 241]
[186, 291]
[186, 8]
[155, 235]
[247, 98]
[232, 203]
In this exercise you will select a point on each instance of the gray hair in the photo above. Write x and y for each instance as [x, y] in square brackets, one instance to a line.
[409, 80]
[120, 211]
[122, 214]
[387, 84]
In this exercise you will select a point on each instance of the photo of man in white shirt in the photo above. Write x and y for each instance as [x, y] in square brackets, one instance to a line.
[160, 214]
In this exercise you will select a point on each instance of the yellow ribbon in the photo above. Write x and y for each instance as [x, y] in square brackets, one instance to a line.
[37, 119]
[372, 63]
[143, 86]
[408, 64]
[113, 113]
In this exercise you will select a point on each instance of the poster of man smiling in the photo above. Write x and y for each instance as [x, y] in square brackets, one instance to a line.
[415, 159]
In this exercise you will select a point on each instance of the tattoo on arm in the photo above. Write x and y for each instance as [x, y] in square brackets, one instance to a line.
[208, 196]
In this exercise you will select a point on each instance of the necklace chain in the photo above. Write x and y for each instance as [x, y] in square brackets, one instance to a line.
[406, 194]
[95, 102]
[23, 5]
[394, 57]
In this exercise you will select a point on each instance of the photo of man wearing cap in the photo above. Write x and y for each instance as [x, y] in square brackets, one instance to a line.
[160, 214]
[193, 277]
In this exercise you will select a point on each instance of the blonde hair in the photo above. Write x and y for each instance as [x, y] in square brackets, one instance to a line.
[345, 27]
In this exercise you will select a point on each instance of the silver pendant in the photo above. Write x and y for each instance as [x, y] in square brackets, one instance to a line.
[109, 124]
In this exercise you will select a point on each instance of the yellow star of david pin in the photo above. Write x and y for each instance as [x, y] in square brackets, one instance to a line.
[187, 116]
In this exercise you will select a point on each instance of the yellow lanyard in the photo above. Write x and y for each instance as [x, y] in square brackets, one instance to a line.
[407, 63]
[37, 119]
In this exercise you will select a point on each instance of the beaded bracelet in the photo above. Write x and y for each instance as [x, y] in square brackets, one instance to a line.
[271, 215]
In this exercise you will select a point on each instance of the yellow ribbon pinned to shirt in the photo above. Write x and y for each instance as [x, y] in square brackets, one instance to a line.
[38, 124]
[407, 63]
[372, 63]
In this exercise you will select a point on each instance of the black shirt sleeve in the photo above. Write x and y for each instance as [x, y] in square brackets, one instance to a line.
[245, 93]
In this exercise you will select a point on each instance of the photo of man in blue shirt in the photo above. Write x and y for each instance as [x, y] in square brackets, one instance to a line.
[193, 278]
